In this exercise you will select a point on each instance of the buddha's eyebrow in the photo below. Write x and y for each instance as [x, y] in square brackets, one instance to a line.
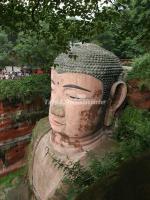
[53, 82]
[76, 87]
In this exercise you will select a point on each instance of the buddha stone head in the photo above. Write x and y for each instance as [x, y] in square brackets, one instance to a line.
[86, 91]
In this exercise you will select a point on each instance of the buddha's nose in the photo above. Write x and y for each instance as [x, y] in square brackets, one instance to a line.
[57, 109]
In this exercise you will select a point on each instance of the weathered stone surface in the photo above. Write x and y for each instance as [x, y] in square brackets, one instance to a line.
[43, 166]
[16, 153]
[15, 136]
[12, 133]
[1, 164]
[136, 97]
[21, 192]
[86, 94]
[6, 170]
[2, 195]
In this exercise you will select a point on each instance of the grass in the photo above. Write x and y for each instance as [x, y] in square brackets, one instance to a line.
[6, 181]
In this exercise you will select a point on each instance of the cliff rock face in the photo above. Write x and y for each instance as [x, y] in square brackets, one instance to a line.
[139, 98]
[15, 134]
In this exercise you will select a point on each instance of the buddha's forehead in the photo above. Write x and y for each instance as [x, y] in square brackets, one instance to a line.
[79, 79]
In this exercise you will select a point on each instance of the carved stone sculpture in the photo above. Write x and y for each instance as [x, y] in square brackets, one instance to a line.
[86, 93]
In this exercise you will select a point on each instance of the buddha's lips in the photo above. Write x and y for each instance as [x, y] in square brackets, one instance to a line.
[56, 122]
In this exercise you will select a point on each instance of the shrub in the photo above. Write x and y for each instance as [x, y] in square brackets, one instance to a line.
[133, 123]
[30, 116]
[141, 68]
[26, 88]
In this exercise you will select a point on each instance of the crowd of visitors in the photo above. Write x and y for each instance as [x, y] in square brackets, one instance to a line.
[13, 75]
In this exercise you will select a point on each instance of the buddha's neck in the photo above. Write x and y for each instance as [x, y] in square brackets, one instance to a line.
[62, 142]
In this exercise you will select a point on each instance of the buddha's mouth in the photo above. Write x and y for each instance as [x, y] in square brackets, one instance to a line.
[56, 122]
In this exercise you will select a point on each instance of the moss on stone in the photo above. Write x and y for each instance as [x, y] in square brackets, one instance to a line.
[130, 182]
[40, 129]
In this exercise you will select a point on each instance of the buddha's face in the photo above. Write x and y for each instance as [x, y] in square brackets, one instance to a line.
[75, 107]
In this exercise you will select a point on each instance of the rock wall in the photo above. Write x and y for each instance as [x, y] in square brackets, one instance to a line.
[15, 136]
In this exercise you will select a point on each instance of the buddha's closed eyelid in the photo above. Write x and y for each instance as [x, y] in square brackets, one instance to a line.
[75, 87]
[74, 97]
[72, 94]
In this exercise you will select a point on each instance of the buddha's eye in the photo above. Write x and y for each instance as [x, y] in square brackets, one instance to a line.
[77, 97]
[73, 97]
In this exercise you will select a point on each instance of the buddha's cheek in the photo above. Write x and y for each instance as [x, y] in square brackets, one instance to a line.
[89, 120]
[82, 120]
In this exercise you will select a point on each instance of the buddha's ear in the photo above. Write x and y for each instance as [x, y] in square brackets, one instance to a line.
[117, 96]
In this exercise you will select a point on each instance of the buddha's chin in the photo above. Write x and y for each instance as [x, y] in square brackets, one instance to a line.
[57, 128]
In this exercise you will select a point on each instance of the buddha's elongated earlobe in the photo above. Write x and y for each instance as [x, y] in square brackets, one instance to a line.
[117, 96]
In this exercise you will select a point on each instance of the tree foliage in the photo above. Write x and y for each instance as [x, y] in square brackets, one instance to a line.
[141, 68]
[34, 52]
[26, 88]
[43, 29]
[125, 30]
[5, 49]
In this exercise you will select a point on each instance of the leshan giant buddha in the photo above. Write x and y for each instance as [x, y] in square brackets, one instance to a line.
[86, 93]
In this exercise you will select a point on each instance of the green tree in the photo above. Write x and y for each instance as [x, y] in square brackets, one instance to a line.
[138, 20]
[121, 26]
[5, 49]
